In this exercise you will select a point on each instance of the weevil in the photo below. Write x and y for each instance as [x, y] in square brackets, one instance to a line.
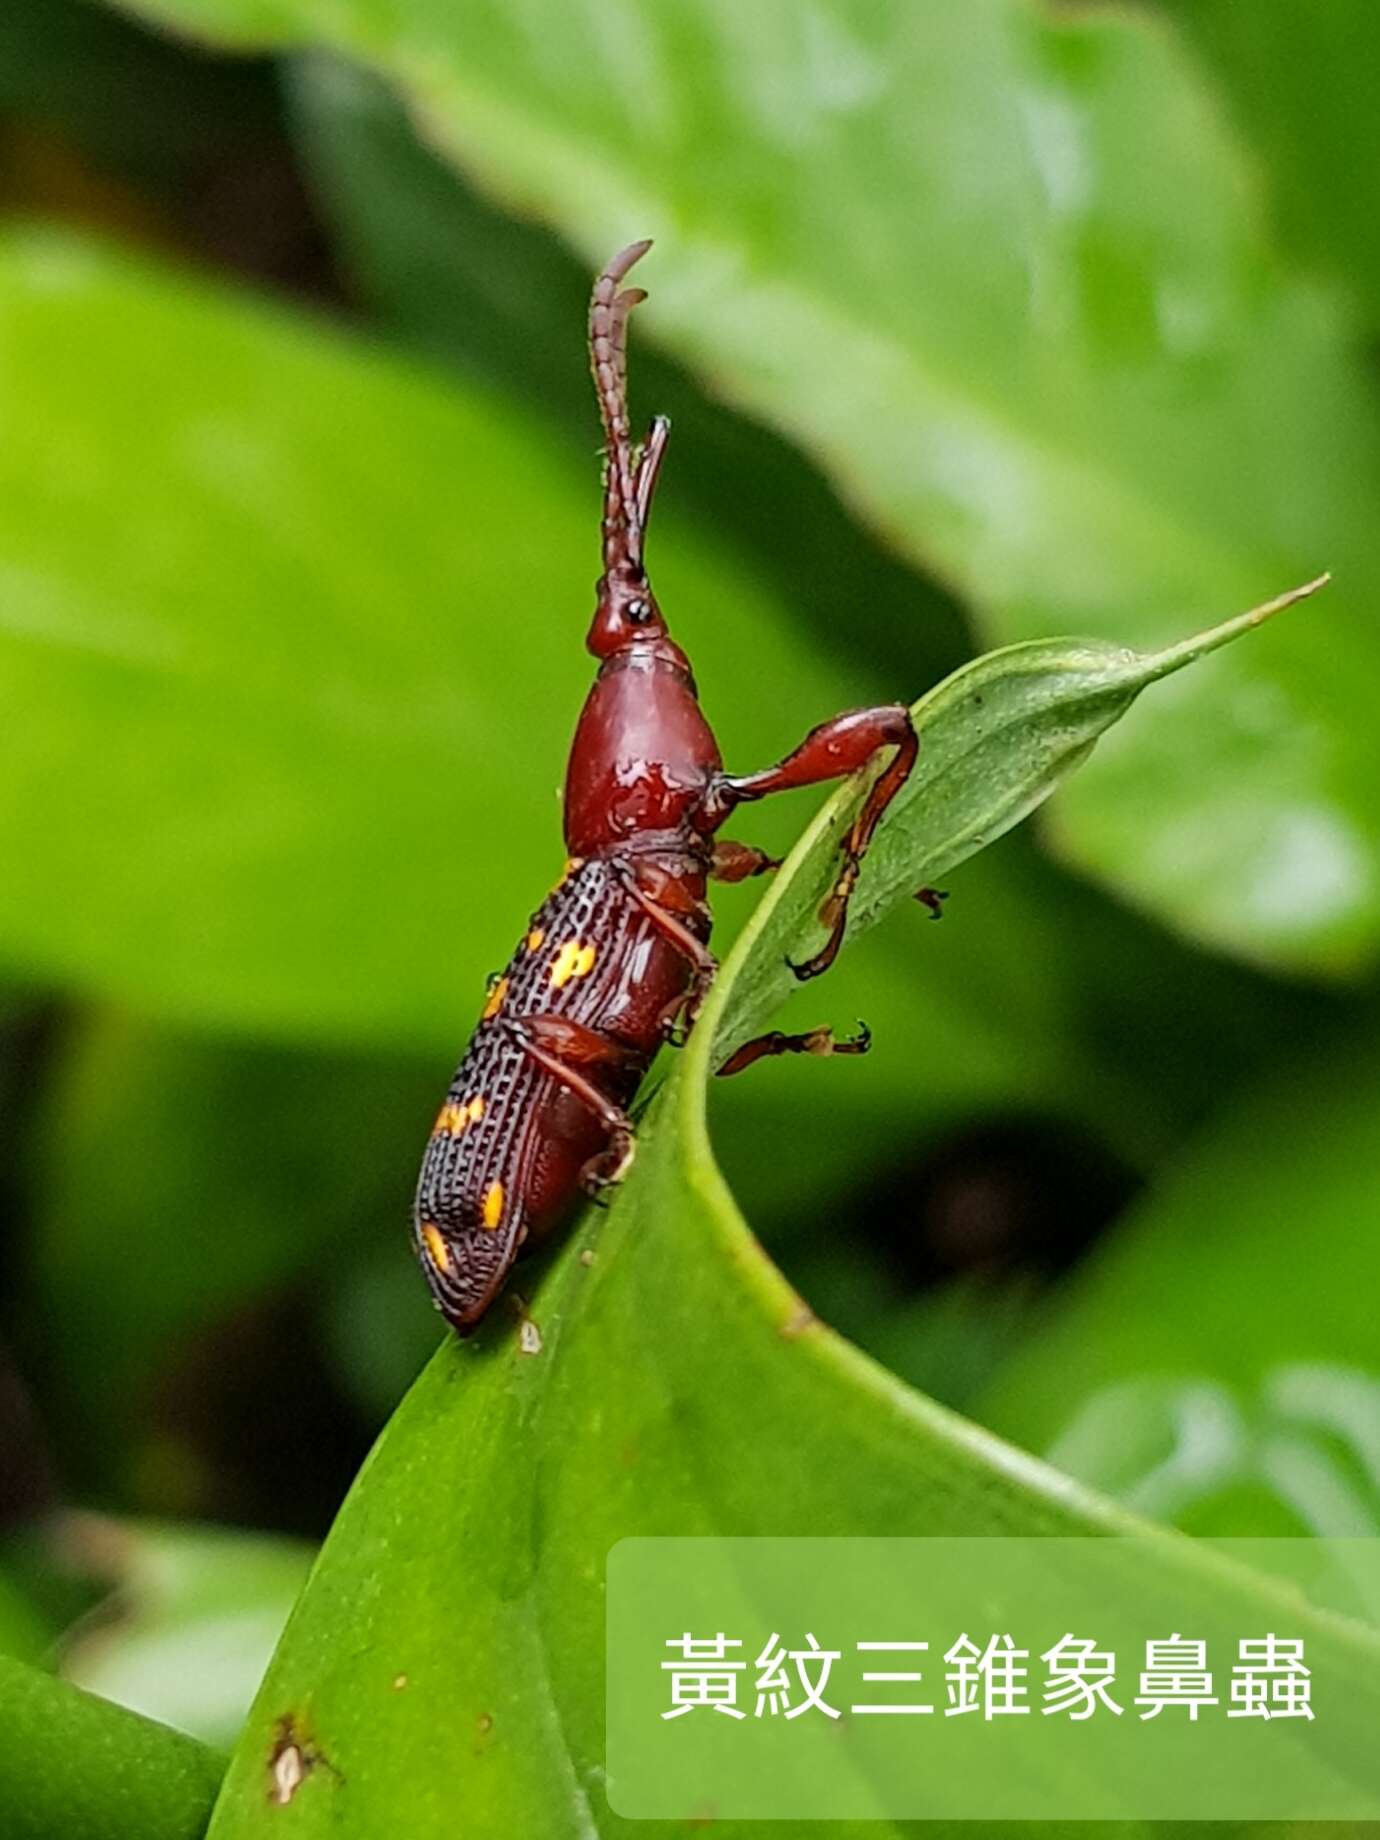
[616, 960]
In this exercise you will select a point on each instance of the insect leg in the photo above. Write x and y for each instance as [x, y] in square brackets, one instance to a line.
[561, 1048]
[657, 892]
[735, 862]
[813, 1041]
[829, 752]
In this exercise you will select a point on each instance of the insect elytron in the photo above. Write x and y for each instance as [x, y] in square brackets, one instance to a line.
[616, 959]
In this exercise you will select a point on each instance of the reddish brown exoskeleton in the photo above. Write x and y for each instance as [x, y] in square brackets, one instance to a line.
[616, 959]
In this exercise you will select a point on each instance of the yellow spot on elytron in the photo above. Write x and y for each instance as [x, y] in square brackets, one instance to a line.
[574, 960]
[495, 1002]
[452, 1119]
[534, 939]
[436, 1246]
[493, 1205]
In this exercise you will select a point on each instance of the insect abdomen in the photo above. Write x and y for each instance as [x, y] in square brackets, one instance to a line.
[508, 1143]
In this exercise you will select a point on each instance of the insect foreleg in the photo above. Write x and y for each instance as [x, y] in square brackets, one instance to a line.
[831, 751]
[658, 893]
[562, 1048]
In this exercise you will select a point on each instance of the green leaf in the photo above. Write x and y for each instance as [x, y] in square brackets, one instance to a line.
[501, 300]
[1216, 1363]
[448, 1649]
[1273, 62]
[23, 1633]
[72, 1764]
[195, 1616]
[996, 738]
[1000, 272]
[193, 1157]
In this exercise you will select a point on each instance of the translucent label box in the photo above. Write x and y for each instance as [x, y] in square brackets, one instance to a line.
[994, 1679]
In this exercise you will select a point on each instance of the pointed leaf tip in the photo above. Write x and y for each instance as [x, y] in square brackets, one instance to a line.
[1174, 657]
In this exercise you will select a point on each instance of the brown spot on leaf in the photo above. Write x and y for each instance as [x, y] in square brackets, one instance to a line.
[399, 1682]
[291, 1761]
[484, 1724]
[801, 1318]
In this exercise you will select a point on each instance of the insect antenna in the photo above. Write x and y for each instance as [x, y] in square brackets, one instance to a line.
[624, 505]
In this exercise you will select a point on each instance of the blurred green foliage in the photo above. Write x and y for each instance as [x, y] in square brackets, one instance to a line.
[190, 1622]
[975, 323]
[1067, 371]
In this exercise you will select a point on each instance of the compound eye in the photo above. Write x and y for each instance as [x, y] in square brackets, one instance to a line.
[638, 612]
